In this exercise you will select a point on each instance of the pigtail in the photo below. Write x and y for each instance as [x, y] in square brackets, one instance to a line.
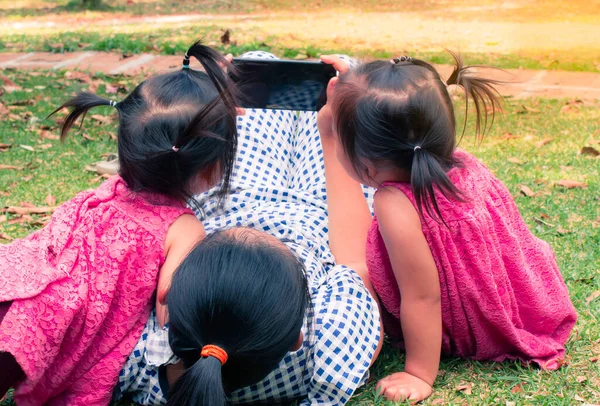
[200, 385]
[427, 174]
[485, 97]
[211, 114]
[79, 106]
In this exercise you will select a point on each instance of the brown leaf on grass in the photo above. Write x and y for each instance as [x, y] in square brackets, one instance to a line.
[16, 168]
[20, 103]
[526, 191]
[543, 142]
[571, 184]
[45, 146]
[569, 108]
[50, 200]
[110, 89]
[27, 147]
[466, 388]
[101, 119]
[593, 297]
[48, 135]
[29, 210]
[4, 147]
[527, 109]
[589, 151]
[581, 379]
[3, 109]
[27, 204]
[438, 401]
[4, 236]
[87, 137]
[79, 76]
[57, 46]
[9, 86]
[24, 218]
[517, 389]
[515, 160]
[99, 178]
[594, 359]
[509, 136]
[3, 218]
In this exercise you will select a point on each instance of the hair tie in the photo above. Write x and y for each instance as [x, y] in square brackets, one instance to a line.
[112, 103]
[174, 148]
[416, 148]
[186, 61]
[403, 58]
[214, 351]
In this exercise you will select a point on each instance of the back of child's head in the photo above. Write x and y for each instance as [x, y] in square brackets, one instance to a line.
[244, 293]
[173, 127]
[399, 114]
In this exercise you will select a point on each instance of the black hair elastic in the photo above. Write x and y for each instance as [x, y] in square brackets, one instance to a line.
[186, 61]
[402, 58]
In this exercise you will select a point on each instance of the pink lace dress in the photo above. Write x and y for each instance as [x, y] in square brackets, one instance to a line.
[81, 291]
[502, 294]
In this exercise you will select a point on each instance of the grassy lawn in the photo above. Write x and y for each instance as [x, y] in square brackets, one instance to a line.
[486, 31]
[535, 144]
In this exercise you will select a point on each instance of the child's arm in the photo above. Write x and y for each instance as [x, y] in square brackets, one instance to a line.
[420, 309]
[349, 217]
[182, 236]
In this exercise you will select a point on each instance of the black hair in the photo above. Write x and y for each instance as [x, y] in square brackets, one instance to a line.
[240, 292]
[400, 113]
[173, 127]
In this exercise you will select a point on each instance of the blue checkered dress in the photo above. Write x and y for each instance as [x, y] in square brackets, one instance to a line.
[279, 188]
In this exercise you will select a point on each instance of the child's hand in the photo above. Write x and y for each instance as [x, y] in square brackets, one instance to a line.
[404, 386]
[325, 117]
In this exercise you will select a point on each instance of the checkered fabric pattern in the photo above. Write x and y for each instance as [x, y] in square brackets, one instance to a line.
[279, 188]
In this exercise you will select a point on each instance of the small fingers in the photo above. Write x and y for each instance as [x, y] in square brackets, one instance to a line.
[336, 61]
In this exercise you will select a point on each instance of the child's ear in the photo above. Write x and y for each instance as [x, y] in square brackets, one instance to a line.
[162, 293]
[298, 344]
[371, 169]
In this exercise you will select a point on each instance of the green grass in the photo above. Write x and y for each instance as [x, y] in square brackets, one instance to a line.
[569, 219]
[161, 39]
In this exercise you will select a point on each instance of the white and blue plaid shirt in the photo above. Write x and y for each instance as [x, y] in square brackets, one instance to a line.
[278, 188]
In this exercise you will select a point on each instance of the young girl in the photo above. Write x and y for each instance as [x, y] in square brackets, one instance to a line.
[286, 216]
[75, 295]
[448, 253]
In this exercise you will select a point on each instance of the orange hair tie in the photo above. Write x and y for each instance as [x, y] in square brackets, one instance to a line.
[214, 351]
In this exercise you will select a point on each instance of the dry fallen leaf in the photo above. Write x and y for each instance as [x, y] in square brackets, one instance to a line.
[110, 89]
[29, 210]
[543, 142]
[4, 236]
[581, 379]
[17, 168]
[517, 389]
[589, 151]
[45, 146]
[438, 401]
[526, 191]
[595, 359]
[3, 109]
[49, 136]
[509, 136]
[527, 109]
[3, 218]
[27, 147]
[571, 184]
[101, 119]
[515, 160]
[27, 205]
[25, 218]
[50, 200]
[4, 147]
[593, 297]
[467, 388]
[87, 137]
